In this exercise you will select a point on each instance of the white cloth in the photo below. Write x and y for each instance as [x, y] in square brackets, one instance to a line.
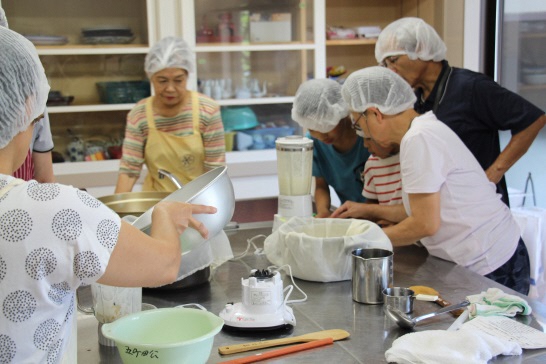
[320, 249]
[213, 252]
[382, 180]
[42, 140]
[53, 238]
[532, 221]
[467, 345]
[494, 302]
[477, 230]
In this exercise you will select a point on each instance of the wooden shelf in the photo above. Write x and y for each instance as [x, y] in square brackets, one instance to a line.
[351, 42]
[243, 47]
[75, 49]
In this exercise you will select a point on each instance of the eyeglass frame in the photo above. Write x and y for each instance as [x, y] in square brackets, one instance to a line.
[354, 123]
[357, 128]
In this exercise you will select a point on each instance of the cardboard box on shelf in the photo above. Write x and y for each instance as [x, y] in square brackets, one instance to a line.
[270, 27]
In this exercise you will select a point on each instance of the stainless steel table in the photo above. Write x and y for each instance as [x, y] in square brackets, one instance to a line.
[329, 306]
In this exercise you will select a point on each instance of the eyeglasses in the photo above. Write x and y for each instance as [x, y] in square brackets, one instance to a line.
[390, 61]
[354, 123]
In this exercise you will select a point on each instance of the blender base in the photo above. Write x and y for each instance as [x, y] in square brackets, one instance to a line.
[290, 206]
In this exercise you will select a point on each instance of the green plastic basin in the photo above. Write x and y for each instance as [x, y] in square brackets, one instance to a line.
[165, 336]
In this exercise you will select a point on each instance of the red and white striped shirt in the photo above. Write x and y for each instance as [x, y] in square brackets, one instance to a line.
[382, 180]
[26, 171]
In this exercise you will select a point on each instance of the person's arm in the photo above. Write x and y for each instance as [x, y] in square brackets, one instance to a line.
[133, 147]
[212, 131]
[372, 212]
[322, 197]
[125, 183]
[516, 148]
[424, 220]
[140, 260]
[43, 167]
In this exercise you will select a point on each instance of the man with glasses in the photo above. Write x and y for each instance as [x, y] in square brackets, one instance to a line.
[449, 205]
[470, 103]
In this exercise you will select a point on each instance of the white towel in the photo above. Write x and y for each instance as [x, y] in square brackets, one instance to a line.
[494, 302]
[467, 345]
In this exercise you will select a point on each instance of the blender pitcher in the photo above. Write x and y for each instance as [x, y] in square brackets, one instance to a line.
[111, 303]
[294, 168]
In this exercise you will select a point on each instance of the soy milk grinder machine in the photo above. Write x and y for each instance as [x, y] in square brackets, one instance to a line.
[294, 169]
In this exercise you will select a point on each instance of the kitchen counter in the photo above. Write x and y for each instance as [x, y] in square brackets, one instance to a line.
[329, 306]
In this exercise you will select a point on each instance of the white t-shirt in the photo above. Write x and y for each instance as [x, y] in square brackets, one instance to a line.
[477, 230]
[53, 238]
[382, 181]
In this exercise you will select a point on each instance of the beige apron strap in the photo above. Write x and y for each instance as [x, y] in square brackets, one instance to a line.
[150, 112]
[9, 186]
[195, 111]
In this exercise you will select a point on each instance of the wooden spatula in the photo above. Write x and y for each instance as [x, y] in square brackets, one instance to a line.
[335, 334]
[440, 301]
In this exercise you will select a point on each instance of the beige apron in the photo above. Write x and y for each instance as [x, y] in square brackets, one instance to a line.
[183, 156]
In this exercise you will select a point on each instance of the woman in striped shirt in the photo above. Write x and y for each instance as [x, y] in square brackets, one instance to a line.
[176, 130]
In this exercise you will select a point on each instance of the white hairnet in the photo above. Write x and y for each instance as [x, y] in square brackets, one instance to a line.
[318, 105]
[410, 36]
[3, 19]
[23, 85]
[169, 52]
[378, 87]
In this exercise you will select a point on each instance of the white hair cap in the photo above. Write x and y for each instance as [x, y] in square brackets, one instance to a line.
[378, 87]
[318, 105]
[169, 52]
[3, 19]
[410, 36]
[23, 85]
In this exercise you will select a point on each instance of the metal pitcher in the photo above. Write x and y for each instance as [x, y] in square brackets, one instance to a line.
[372, 273]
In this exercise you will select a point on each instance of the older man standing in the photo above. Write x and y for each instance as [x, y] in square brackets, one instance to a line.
[471, 104]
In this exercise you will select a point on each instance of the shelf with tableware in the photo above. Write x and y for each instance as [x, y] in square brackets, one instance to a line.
[251, 58]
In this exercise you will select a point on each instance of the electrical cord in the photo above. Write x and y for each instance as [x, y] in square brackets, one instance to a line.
[275, 268]
[250, 242]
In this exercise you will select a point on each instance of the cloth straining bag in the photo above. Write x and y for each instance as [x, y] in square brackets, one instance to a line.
[213, 252]
[320, 249]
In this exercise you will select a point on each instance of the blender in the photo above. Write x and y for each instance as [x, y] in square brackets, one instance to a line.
[294, 168]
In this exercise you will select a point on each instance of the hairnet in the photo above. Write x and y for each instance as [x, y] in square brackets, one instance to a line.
[318, 105]
[410, 36]
[3, 19]
[377, 87]
[169, 52]
[23, 85]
